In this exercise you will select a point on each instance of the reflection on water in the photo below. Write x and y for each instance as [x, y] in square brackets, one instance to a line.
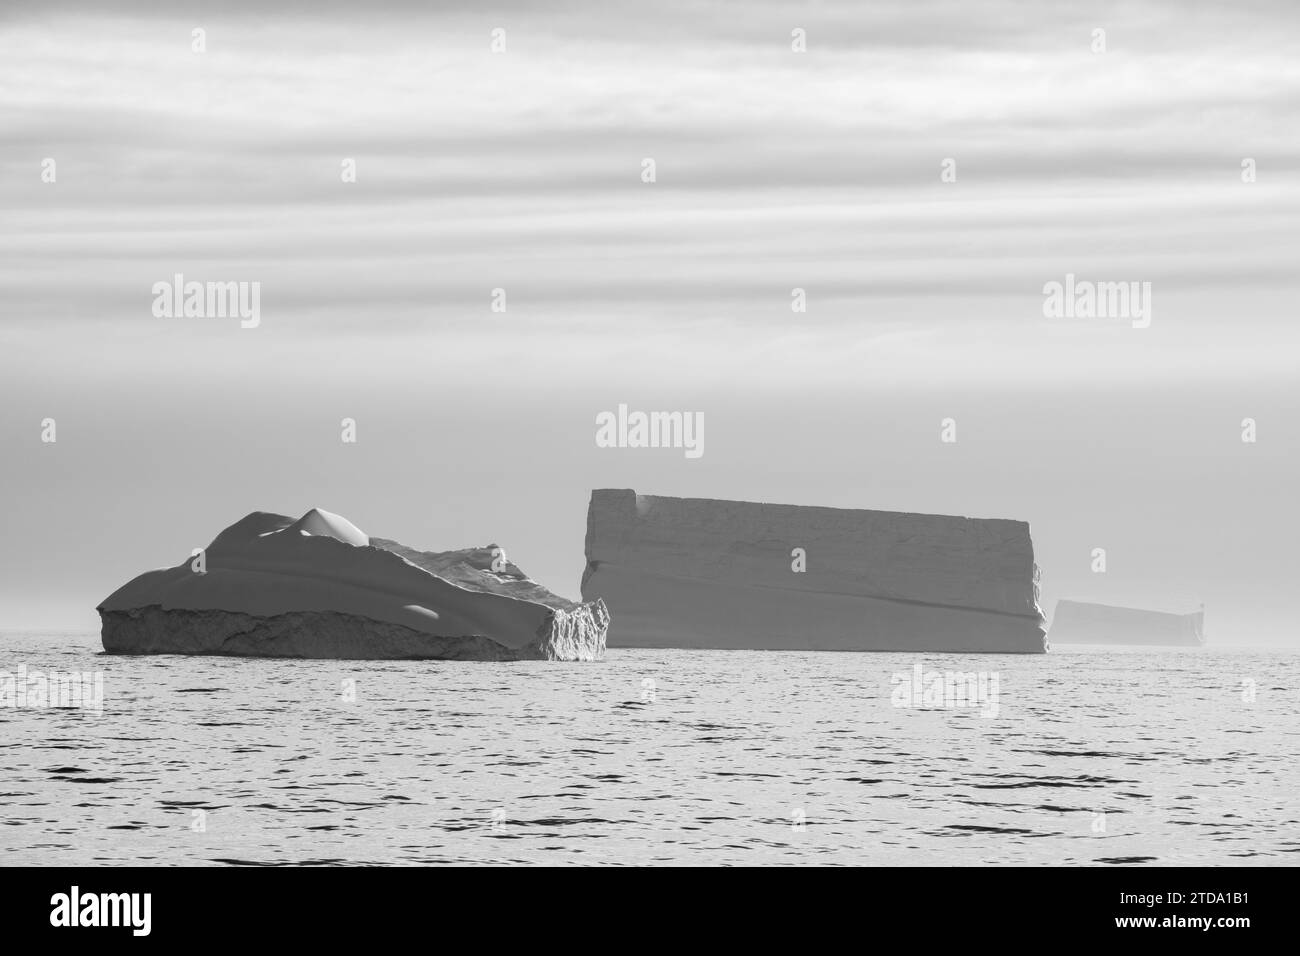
[1094, 756]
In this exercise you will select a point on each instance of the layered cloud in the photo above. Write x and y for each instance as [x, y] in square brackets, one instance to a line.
[774, 170]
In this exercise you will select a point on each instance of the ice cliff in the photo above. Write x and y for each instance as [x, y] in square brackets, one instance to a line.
[702, 573]
[1078, 622]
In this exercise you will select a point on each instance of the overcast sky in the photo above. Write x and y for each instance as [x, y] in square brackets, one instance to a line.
[522, 170]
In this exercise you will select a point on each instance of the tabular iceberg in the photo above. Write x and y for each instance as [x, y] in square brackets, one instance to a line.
[1078, 622]
[700, 573]
[269, 586]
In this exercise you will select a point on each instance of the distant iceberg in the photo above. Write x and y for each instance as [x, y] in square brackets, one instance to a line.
[319, 587]
[1078, 622]
[705, 573]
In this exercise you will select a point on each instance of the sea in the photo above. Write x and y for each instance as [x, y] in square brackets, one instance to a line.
[1089, 756]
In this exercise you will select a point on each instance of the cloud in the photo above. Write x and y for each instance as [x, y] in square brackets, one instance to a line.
[775, 170]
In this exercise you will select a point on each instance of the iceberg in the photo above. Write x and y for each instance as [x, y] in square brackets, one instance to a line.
[705, 573]
[319, 587]
[1079, 622]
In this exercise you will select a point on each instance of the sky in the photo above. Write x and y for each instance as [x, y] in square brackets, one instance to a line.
[775, 170]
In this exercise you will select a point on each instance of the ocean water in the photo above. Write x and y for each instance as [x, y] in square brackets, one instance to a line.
[1093, 756]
